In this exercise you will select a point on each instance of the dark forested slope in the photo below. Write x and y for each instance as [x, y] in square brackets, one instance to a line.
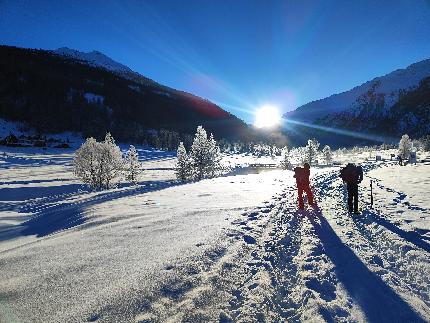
[52, 93]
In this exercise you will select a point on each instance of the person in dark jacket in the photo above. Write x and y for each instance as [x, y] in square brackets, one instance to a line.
[303, 184]
[352, 175]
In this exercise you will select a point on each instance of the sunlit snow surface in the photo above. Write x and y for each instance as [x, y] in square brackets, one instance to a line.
[232, 247]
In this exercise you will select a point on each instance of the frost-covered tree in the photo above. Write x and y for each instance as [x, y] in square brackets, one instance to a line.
[182, 167]
[111, 162]
[132, 166]
[312, 151]
[298, 154]
[215, 165]
[286, 159]
[405, 147]
[98, 164]
[85, 162]
[327, 154]
[204, 156]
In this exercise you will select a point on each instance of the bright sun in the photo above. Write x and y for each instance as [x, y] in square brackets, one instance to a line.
[267, 116]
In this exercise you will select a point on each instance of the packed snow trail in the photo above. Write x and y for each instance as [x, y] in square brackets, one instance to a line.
[323, 264]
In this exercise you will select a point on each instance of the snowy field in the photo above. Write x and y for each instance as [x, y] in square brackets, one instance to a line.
[233, 248]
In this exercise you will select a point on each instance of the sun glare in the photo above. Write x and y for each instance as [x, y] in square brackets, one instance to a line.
[267, 117]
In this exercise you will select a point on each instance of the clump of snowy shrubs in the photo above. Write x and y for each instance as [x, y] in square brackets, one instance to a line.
[203, 159]
[405, 147]
[101, 164]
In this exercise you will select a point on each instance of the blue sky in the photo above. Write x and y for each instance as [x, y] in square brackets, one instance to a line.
[239, 54]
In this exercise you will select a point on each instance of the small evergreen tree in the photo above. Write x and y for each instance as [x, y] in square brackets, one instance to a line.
[311, 151]
[405, 147]
[327, 154]
[214, 166]
[182, 166]
[285, 162]
[204, 156]
[133, 167]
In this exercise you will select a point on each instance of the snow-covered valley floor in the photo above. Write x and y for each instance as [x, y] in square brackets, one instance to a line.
[233, 248]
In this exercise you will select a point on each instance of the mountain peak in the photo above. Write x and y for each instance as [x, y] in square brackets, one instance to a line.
[94, 58]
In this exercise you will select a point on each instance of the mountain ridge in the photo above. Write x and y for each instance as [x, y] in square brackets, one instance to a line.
[55, 92]
[405, 79]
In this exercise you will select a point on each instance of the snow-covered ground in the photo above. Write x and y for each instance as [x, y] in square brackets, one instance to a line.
[233, 248]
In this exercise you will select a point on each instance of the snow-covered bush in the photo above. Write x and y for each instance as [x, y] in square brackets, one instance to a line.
[205, 156]
[98, 164]
[327, 154]
[182, 166]
[312, 151]
[132, 166]
[405, 147]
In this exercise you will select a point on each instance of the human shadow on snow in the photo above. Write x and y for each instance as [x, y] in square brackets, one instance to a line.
[377, 300]
[59, 217]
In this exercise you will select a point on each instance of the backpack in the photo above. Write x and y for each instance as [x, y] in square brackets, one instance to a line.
[350, 173]
[298, 172]
[301, 177]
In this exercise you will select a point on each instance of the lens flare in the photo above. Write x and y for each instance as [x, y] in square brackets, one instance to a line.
[267, 116]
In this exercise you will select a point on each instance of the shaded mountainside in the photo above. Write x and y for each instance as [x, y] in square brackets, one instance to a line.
[377, 111]
[56, 93]
[411, 114]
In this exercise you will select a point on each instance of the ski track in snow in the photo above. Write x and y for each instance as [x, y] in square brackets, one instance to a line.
[274, 263]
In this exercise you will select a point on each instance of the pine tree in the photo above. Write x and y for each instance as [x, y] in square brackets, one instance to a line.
[182, 167]
[205, 155]
[327, 154]
[214, 166]
[285, 162]
[405, 147]
[133, 167]
[312, 151]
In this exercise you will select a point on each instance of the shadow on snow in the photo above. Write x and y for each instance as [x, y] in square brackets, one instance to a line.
[28, 193]
[59, 217]
[376, 299]
[411, 236]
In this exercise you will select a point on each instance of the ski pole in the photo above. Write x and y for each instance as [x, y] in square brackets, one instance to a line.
[371, 194]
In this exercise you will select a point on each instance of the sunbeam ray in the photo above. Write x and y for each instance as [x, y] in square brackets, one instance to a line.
[349, 133]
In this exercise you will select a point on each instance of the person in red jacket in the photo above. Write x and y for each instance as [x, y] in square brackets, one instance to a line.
[303, 184]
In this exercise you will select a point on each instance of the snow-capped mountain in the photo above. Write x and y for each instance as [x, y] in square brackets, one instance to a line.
[387, 89]
[94, 58]
[98, 59]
